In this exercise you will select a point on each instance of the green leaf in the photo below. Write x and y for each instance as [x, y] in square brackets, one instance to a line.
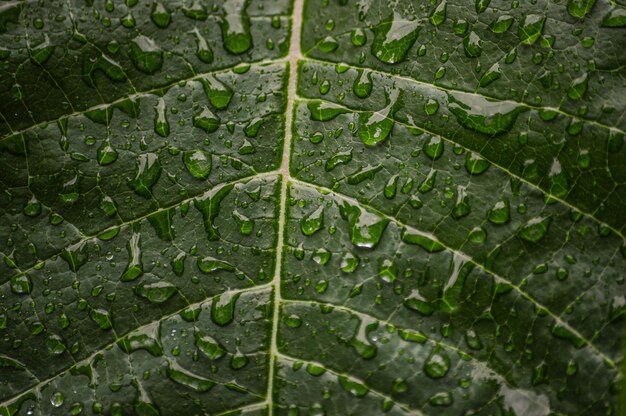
[312, 207]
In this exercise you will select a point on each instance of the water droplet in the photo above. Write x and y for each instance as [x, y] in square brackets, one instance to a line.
[375, 127]
[482, 5]
[579, 8]
[217, 92]
[328, 44]
[135, 267]
[472, 45]
[246, 225]
[438, 15]
[223, 308]
[339, 158]
[364, 173]
[293, 321]
[209, 346]
[358, 37]
[160, 15]
[416, 302]
[101, 317]
[363, 83]
[530, 29]
[484, 116]
[431, 107]
[209, 206]
[203, 50]
[461, 207]
[563, 332]
[148, 173]
[438, 364]
[433, 147]
[210, 264]
[615, 18]
[354, 388]
[578, 88]
[535, 229]
[157, 292]
[236, 27]
[349, 263]
[143, 339]
[429, 244]
[76, 255]
[391, 187]
[492, 74]
[324, 111]
[106, 153]
[57, 399]
[475, 164]
[393, 39]
[252, 128]
[198, 163]
[313, 222]
[42, 52]
[206, 120]
[388, 270]
[21, 284]
[502, 23]
[55, 345]
[187, 379]
[161, 125]
[365, 228]
[500, 212]
[32, 208]
[146, 54]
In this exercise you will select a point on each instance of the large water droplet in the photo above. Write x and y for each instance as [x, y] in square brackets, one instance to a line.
[438, 364]
[146, 54]
[161, 125]
[482, 115]
[135, 266]
[324, 111]
[438, 15]
[223, 308]
[203, 50]
[530, 29]
[313, 222]
[209, 346]
[218, 93]
[363, 83]
[236, 27]
[535, 229]
[365, 228]
[160, 15]
[393, 39]
[198, 163]
[148, 173]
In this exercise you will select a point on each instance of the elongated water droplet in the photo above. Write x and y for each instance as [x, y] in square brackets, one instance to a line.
[482, 5]
[500, 212]
[189, 380]
[135, 266]
[363, 84]
[353, 387]
[393, 39]
[580, 8]
[364, 173]
[339, 158]
[236, 27]
[391, 187]
[324, 111]
[209, 346]
[416, 302]
[428, 243]
[502, 23]
[209, 206]
[438, 15]
[210, 264]
[148, 173]
[484, 116]
[472, 45]
[161, 124]
[375, 127]
[530, 29]
[203, 50]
